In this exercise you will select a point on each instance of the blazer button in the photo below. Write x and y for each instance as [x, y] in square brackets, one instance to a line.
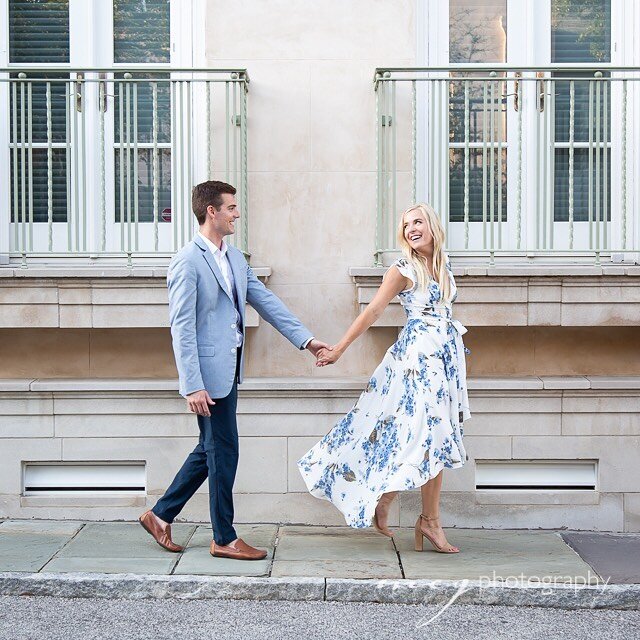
[233, 350]
[233, 326]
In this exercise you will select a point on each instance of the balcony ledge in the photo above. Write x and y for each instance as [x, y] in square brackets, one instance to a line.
[526, 295]
[85, 297]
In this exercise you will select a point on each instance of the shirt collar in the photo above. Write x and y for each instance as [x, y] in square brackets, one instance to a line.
[213, 248]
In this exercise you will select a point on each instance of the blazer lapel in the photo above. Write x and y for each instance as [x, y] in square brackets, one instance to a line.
[213, 265]
[239, 276]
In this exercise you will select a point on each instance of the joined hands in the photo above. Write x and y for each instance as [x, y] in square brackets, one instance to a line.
[324, 353]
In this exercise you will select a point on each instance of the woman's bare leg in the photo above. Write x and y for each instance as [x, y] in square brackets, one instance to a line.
[382, 510]
[431, 509]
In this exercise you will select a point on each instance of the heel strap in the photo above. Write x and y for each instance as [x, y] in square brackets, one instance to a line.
[429, 517]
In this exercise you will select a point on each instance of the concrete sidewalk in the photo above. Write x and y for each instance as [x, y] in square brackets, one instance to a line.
[84, 553]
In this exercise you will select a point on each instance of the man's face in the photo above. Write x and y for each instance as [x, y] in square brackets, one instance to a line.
[224, 218]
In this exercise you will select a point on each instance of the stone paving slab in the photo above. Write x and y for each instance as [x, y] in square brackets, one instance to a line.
[615, 558]
[338, 552]
[27, 545]
[493, 554]
[118, 547]
[197, 559]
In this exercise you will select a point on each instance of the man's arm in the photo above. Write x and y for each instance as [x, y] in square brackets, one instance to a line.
[275, 312]
[182, 283]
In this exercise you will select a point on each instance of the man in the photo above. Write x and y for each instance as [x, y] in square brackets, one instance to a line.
[209, 283]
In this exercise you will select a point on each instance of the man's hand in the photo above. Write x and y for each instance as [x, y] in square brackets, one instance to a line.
[199, 402]
[328, 356]
[315, 345]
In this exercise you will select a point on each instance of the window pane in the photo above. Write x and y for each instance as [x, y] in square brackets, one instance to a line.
[144, 106]
[145, 185]
[580, 185]
[581, 31]
[39, 31]
[477, 31]
[141, 31]
[38, 108]
[456, 185]
[39, 172]
[481, 110]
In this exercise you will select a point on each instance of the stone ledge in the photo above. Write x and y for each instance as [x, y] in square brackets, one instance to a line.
[565, 296]
[86, 272]
[91, 298]
[310, 385]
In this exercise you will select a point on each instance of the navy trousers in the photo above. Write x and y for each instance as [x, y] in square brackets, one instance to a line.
[215, 457]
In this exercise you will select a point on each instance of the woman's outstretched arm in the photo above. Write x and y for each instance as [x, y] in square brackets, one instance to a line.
[394, 282]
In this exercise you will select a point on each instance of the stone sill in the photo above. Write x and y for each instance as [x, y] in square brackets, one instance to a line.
[309, 385]
[84, 500]
[520, 296]
[84, 272]
[516, 270]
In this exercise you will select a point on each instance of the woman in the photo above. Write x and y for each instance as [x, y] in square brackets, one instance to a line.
[406, 427]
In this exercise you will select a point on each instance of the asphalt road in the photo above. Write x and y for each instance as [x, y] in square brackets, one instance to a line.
[43, 618]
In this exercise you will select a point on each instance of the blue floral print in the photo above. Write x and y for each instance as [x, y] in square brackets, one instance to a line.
[407, 424]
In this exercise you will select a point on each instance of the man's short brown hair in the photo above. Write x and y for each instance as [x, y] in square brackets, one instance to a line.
[208, 193]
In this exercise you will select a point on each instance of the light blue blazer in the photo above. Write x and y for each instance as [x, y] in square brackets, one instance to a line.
[203, 317]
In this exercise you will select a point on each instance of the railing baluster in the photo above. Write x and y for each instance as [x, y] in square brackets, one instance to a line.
[394, 161]
[624, 164]
[552, 160]
[605, 161]
[572, 109]
[226, 130]
[598, 152]
[187, 133]
[69, 106]
[378, 254]
[208, 127]
[135, 165]
[444, 136]
[121, 164]
[519, 182]
[499, 134]
[492, 161]
[484, 163]
[466, 164]
[245, 186]
[154, 167]
[49, 171]
[433, 141]
[102, 106]
[30, 173]
[16, 201]
[23, 167]
[173, 84]
[128, 156]
[590, 165]
[414, 142]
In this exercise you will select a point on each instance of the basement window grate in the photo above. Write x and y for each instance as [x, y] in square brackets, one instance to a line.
[536, 475]
[83, 478]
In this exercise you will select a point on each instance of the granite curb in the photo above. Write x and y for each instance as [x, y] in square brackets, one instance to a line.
[135, 587]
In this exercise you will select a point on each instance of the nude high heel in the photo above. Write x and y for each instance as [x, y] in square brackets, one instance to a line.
[420, 535]
[385, 532]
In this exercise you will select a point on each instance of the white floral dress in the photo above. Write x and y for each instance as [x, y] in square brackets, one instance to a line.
[407, 424]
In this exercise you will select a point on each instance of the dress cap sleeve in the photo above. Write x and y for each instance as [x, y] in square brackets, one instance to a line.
[405, 268]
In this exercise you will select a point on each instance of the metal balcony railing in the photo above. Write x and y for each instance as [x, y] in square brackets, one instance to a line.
[536, 163]
[98, 164]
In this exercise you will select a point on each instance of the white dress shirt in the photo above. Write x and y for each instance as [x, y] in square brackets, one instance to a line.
[220, 255]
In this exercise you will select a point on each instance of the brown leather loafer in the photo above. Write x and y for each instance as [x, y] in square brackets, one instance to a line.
[160, 532]
[238, 550]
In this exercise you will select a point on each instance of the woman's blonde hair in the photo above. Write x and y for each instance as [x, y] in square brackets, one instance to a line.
[440, 274]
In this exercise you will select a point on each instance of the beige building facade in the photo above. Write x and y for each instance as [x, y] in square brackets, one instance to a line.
[88, 378]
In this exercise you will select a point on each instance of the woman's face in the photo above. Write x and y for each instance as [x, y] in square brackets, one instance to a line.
[417, 232]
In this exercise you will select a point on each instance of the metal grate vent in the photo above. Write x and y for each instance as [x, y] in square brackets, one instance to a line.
[536, 475]
[84, 477]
